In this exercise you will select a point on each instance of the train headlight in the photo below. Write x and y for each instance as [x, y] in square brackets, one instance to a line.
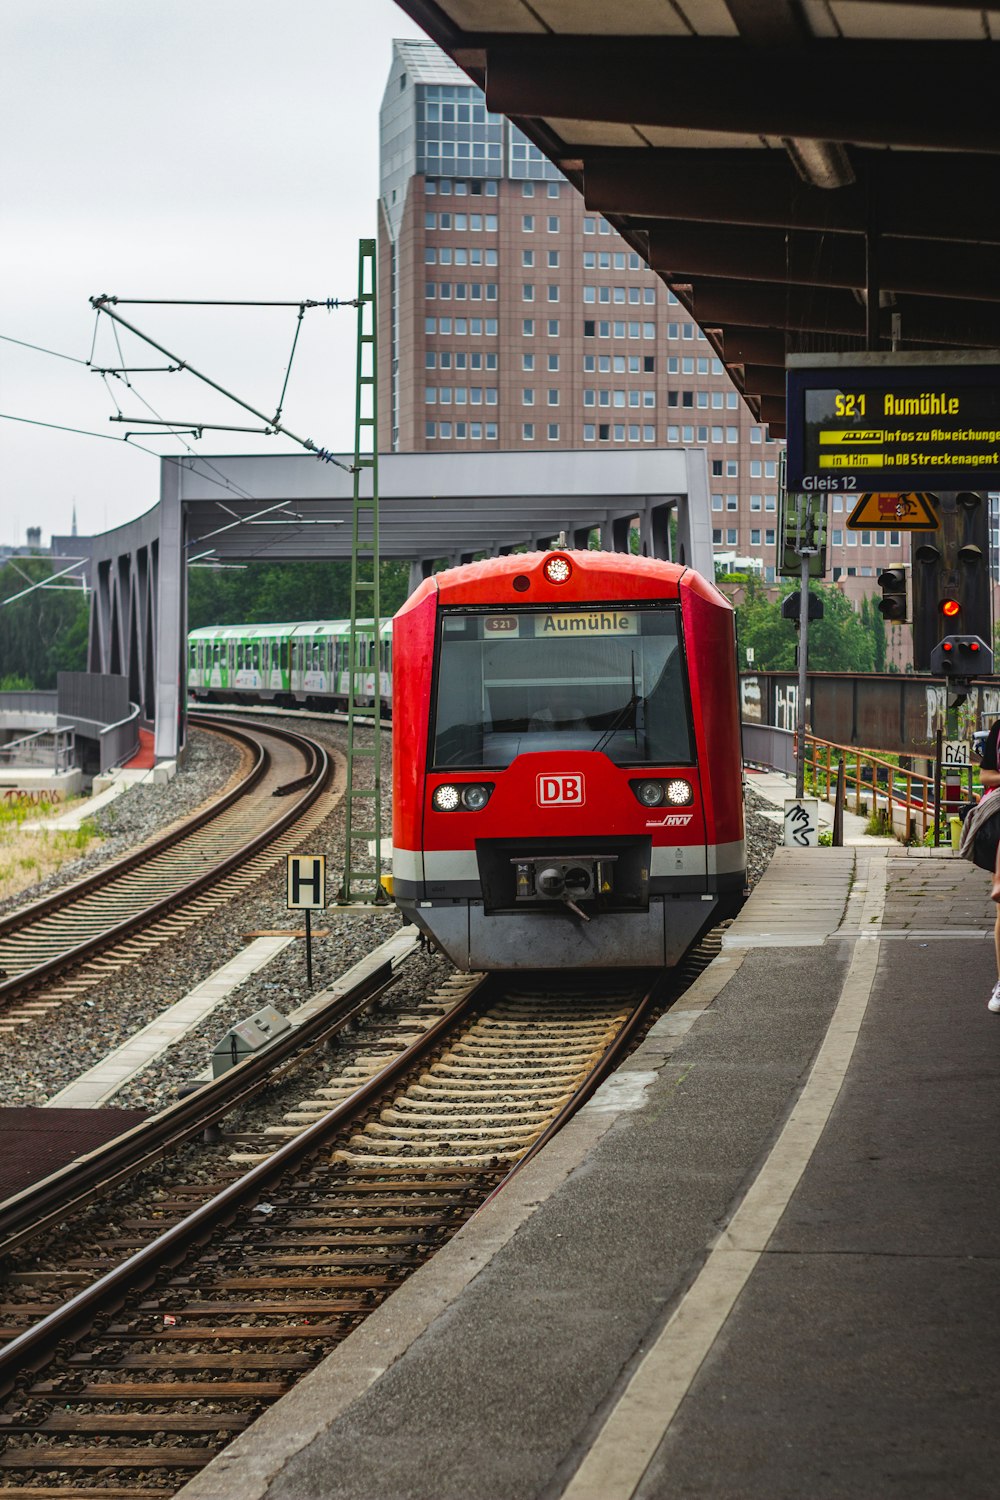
[472, 796]
[650, 793]
[557, 569]
[679, 792]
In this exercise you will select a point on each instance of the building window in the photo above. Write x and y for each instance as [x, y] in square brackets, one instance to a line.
[552, 328]
[731, 536]
[732, 502]
[528, 396]
[755, 434]
[553, 397]
[554, 259]
[755, 537]
[717, 536]
[528, 327]
[553, 361]
[717, 468]
[527, 292]
[527, 223]
[554, 188]
[553, 293]
[527, 257]
[716, 502]
[528, 363]
[732, 468]
[553, 224]
[838, 538]
[527, 189]
[589, 225]
[528, 431]
[553, 432]
[588, 328]
[589, 432]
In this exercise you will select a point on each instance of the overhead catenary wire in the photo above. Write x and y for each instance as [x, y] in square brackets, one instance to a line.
[102, 304]
[7, 339]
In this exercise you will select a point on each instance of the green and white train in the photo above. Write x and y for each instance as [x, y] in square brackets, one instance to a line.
[306, 664]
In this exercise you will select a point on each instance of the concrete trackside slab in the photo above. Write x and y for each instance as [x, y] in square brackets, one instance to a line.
[530, 1320]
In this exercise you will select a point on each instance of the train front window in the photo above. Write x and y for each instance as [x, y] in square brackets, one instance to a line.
[609, 679]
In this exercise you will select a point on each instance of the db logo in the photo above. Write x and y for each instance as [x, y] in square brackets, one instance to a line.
[564, 791]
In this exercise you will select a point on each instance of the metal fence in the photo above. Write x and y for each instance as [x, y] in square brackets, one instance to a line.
[46, 749]
[764, 745]
[119, 742]
[98, 696]
[28, 703]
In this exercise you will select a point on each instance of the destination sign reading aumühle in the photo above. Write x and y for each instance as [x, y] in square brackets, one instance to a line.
[880, 427]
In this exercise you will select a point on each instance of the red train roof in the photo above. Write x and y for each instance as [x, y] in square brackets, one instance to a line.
[595, 575]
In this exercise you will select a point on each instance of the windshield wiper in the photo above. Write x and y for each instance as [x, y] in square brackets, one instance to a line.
[620, 720]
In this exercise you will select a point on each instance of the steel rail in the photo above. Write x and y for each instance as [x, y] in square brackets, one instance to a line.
[34, 1346]
[135, 857]
[615, 1050]
[52, 1199]
[71, 957]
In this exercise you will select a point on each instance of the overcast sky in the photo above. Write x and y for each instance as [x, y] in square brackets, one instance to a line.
[226, 149]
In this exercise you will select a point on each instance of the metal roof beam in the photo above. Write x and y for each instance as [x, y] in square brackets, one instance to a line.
[719, 85]
[682, 250]
[935, 196]
[801, 309]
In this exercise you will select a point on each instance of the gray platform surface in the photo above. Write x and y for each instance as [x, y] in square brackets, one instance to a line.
[860, 1356]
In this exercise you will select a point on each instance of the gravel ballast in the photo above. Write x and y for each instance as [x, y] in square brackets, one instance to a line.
[36, 1062]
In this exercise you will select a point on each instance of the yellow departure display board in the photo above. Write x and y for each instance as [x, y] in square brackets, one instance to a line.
[893, 422]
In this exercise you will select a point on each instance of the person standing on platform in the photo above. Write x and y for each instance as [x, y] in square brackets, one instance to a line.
[989, 775]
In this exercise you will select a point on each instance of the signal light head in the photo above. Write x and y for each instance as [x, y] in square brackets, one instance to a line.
[557, 569]
[950, 608]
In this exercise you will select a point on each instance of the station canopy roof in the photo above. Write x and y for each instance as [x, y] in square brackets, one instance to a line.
[780, 163]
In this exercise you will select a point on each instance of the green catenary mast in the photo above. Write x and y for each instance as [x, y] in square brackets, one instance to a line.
[363, 838]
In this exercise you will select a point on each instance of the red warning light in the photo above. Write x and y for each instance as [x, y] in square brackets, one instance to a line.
[973, 645]
[947, 646]
[950, 607]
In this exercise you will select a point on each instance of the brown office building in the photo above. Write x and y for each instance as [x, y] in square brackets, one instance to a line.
[512, 318]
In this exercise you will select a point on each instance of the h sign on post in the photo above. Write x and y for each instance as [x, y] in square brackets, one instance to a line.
[306, 882]
[307, 892]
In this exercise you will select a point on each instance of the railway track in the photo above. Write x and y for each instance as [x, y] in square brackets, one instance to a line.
[141, 1377]
[67, 942]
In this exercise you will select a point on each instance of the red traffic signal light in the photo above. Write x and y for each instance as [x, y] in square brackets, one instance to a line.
[961, 656]
[950, 608]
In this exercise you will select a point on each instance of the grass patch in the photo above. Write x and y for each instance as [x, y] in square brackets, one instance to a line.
[28, 856]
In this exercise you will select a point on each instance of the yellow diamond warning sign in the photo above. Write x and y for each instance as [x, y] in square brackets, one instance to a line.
[913, 511]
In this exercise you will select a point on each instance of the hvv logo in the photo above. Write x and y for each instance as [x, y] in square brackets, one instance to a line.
[560, 790]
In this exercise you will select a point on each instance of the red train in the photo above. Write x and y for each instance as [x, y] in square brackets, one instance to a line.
[567, 770]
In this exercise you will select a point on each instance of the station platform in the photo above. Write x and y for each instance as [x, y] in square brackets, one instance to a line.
[761, 1263]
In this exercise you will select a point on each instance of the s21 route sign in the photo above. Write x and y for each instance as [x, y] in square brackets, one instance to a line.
[864, 423]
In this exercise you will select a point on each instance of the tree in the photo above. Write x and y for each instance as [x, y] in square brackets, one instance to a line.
[282, 593]
[43, 633]
[871, 619]
[837, 643]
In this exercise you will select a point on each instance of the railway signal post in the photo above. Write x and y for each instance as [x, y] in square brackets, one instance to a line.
[804, 553]
[306, 892]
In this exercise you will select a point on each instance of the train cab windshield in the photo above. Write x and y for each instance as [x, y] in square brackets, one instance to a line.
[606, 678]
